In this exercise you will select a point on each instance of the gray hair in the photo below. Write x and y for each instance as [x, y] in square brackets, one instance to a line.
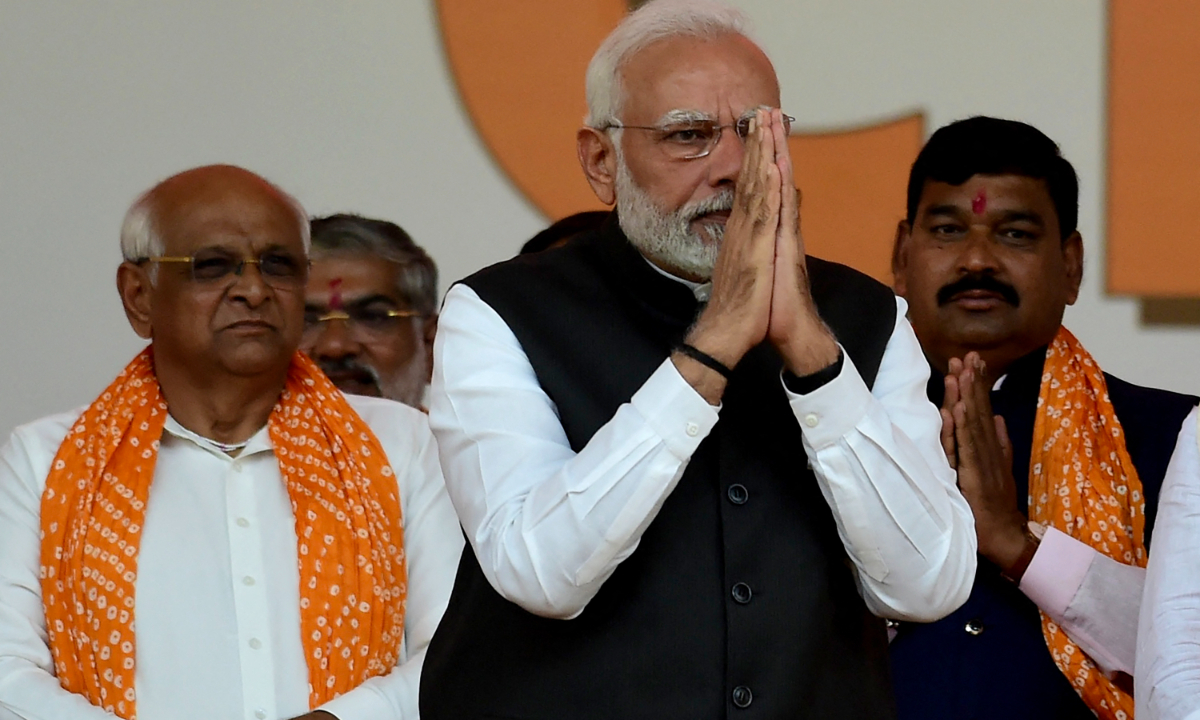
[345, 234]
[656, 20]
[140, 237]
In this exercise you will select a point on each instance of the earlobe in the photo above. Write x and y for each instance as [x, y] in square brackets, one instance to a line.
[900, 258]
[134, 287]
[597, 157]
[430, 332]
[1073, 263]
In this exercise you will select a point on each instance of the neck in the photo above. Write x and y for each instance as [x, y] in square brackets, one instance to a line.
[228, 409]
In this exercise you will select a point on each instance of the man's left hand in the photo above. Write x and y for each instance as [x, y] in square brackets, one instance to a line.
[985, 465]
[795, 329]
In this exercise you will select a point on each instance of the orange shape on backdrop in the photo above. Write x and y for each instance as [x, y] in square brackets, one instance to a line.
[1154, 148]
[520, 68]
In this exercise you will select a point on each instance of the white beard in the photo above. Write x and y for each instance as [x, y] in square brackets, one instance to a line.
[667, 238]
[408, 386]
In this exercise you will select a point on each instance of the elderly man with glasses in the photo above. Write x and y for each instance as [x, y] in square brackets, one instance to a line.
[696, 469]
[221, 533]
[370, 311]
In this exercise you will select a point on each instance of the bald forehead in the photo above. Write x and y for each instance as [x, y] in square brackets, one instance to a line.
[726, 74]
[220, 201]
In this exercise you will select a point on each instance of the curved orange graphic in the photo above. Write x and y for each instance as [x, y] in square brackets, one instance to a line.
[520, 69]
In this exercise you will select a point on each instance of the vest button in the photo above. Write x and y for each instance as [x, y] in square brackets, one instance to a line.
[742, 593]
[742, 697]
[974, 626]
[738, 494]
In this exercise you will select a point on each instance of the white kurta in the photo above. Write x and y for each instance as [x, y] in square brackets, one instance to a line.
[217, 595]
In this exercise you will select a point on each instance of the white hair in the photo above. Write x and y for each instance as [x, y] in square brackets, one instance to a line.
[656, 20]
[140, 238]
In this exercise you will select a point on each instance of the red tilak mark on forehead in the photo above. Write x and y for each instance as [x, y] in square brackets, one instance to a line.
[979, 204]
[335, 294]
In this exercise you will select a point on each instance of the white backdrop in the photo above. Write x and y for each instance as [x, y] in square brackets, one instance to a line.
[349, 105]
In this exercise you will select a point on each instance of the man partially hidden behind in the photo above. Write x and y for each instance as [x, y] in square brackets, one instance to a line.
[370, 310]
[694, 467]
[1061, 463]
[222, 533]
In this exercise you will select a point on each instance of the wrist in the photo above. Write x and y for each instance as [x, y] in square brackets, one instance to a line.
[1014, 555]
[723, 347]
[810, 348]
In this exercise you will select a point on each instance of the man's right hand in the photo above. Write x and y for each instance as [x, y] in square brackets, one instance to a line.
[739, 309]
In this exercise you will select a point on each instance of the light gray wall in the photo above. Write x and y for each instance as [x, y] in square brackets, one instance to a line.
[349, 105]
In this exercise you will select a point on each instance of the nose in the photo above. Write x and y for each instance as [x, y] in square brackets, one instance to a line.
[249, 286]
[725, 159]
[979, 252]
[332, 339]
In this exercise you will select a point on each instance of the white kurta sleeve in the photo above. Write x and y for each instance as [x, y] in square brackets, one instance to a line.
[1167, 671]
[880, 465]
[28, 687]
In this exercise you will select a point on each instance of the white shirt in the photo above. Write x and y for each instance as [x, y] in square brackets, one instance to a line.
[1167, 678]
[549, 526]
[217, 590]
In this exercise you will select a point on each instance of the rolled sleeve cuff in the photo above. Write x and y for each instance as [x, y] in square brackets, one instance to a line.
[1056, 572]
[832, 411]
[675, 411]
[361, 703]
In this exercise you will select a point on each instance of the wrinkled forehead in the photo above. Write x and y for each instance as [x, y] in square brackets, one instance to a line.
[719, 78]
[251, 218]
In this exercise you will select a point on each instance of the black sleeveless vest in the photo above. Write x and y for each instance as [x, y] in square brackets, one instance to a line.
[739, 601]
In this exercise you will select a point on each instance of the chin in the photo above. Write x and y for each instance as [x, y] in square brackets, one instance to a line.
[250, 359]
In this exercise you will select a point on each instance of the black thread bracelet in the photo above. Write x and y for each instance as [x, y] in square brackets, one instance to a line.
[705, 359]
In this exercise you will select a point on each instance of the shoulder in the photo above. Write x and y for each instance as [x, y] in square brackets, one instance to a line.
[556, 265]
[1154, 408]
[831, 279]
[391, 421]
[31, 447]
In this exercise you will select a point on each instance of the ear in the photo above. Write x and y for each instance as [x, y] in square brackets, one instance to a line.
[1073, 264]
[900, 258]
[135, 289]
[598, 158]
[429, 332]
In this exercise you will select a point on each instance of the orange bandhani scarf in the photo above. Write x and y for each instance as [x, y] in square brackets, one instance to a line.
[348, 528]
[1082, 482]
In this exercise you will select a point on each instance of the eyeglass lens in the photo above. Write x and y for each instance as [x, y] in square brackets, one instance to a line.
[275, 266]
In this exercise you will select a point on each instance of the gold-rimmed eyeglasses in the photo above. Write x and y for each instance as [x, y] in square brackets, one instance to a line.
[364, 323]
[693, 139]
[276, 267]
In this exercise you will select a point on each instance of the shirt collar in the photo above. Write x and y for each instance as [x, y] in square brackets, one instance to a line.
[702, 291]
[259, 442]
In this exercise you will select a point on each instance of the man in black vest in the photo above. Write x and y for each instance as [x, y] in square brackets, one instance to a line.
[694, 468]
[988, 259]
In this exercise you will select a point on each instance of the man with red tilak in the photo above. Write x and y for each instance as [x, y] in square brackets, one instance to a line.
[1061, 463]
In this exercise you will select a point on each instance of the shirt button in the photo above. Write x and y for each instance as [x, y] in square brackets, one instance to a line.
[260, 713]
[812, 420]
[247, 580]
[243, 522]
[693, 429]
[738, 494]
[742, 697]
[974, 626]
[237, 467]
[255, 643]
[741, 593]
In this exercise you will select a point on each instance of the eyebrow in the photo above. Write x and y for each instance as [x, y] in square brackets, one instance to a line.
[684, 116]
[1023, 216]
[355, 303]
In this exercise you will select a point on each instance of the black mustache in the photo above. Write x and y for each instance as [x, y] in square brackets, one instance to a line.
[348, 365]
[987, 283]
